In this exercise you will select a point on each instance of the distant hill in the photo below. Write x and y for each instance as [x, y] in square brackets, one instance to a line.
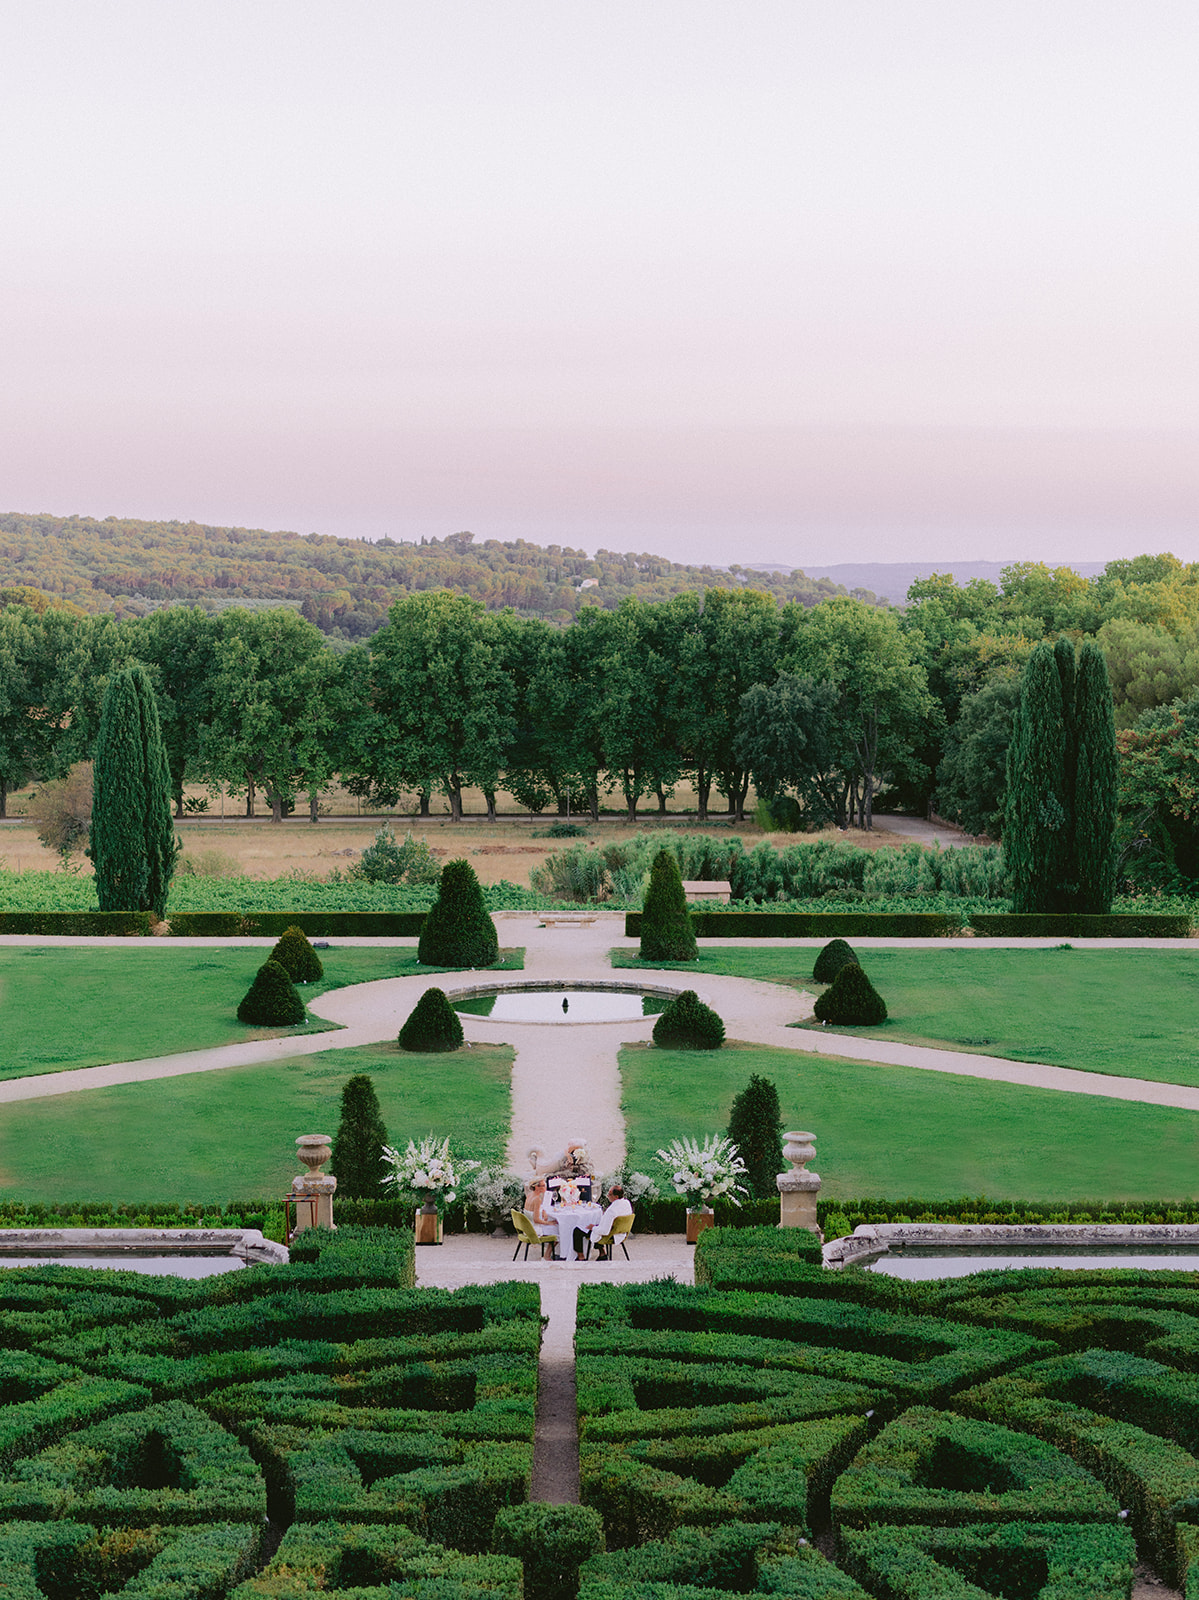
[890, 580]
[345, 586]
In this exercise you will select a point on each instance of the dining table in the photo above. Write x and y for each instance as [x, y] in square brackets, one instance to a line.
[567, 1218]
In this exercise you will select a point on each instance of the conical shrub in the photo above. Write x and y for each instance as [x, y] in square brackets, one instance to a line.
[358, 1142]
[667, 932]
[688, 1024]
[432, 1025]
[851, 999]
[835, 955]
[297, 957]
[458, 931]
[755, 1127]
[272, 1001]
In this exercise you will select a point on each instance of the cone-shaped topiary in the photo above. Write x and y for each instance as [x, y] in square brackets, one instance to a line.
[835, 955]
[851, 999]
[667, 932]
[297, 957]
[688, 1024]
[272, 1001]
[458, 931]
[358, 1142]
[755, 1127]
[433, 1024]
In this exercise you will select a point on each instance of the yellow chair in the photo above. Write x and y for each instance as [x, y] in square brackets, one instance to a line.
[527, 1235]
[620, 1230]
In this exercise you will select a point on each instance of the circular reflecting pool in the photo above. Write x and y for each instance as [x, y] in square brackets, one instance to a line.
[561, 1005]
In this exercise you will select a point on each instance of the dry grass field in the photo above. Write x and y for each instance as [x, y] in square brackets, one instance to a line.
[507, 849]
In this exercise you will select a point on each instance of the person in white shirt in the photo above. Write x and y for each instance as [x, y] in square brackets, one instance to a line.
[617, 1206]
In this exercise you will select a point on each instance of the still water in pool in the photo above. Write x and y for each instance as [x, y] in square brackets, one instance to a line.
[917, 1263]
[562, 1005]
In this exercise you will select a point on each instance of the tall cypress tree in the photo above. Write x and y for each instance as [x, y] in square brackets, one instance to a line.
[359, 1140]
[1036, 823]
[1060, 814]
[1095, 783]
[132, 842]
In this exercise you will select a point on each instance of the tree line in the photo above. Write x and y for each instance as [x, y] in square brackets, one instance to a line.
[814, 707]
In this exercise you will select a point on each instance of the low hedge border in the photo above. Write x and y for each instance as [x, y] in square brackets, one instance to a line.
[79, 924]
[939, 1468]
[813, 925]
[980, 1208]
[315, 924]
[1069, 1562]
[1075, 925]
[184, 1563]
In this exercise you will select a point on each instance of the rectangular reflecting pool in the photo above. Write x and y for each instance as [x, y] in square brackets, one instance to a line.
[172, 1266]
[919, 1262]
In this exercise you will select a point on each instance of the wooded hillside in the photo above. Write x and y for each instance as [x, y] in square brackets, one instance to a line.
[344, 586]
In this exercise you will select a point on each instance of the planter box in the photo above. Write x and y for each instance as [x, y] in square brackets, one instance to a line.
[428, 1227]
[697, 1221]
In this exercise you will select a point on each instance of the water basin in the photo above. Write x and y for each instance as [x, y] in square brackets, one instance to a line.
[172, 1266]
[918, 1263]
[561, 1005]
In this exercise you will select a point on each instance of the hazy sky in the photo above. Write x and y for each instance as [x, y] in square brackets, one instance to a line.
[776, 281]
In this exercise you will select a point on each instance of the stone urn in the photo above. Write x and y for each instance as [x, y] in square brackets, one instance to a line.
[313, 1191]
[797, 1186]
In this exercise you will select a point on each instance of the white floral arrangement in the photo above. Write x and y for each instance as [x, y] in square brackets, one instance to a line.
[495, 1194]
[427, 1170]
[705, 1172]
[636, 1185]
[568, 1193]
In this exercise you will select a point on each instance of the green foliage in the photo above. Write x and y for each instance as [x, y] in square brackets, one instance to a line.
[61, 813]
[666, 930]
[271, 1000]
[835, 955]
[297, 957]
[851, 1000]
[734, 923]
[131, 842]
[385, 861]
[755, 1127]
[458, 931]
[433, 1024]
[551, 1542]
[359, 1140]
[688, 1024]
[1095, 784]
[1047, 925]
[1068, 1562]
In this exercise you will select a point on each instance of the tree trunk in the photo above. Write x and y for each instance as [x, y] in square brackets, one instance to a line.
[276, 805]
[424, 802]
[489, 796]
[661, 793]
[454, 788]
[250, 798]
[3, 797]
[314, 805]
[593, 797]
[630, 794]
[703, 790]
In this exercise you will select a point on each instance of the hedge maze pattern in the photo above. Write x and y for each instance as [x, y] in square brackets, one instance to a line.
[783, 1430]
[320, 1428]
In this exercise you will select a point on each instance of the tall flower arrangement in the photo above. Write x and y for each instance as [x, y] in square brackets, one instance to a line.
[426, 1171]
[704, 1172]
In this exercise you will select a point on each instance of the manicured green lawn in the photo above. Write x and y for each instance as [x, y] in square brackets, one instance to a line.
[890, 1132]
[82, 1006]
[1133, 1013]
[230, 1134]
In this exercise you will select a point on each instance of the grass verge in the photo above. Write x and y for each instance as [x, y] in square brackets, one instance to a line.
[213, 1137]
[1133, 1013]
[897, 1131]
[87, 1005]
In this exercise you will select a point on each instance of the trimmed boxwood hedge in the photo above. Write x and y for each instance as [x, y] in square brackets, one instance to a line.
[734, 1560]
[814, 924]
[78, 924]
[1076, 925]
[333, 1558]
[316, 924]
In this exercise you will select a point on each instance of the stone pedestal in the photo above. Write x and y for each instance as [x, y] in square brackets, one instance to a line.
[798, 1187]
[313, 1190]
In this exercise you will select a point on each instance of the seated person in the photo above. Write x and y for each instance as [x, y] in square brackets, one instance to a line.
[617, 1206]
[537, 1208]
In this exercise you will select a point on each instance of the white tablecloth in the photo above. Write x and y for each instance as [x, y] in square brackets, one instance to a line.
[568, 1218]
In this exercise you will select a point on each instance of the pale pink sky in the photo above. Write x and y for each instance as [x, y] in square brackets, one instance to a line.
[789, 281]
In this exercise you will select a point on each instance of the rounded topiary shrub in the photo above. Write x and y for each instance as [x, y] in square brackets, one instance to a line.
[272, 1001]
[433, 1024]
[851, 999]
[297, 957]
[458, 931]
[688, 1024]
[835, 955]
[667, 932]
